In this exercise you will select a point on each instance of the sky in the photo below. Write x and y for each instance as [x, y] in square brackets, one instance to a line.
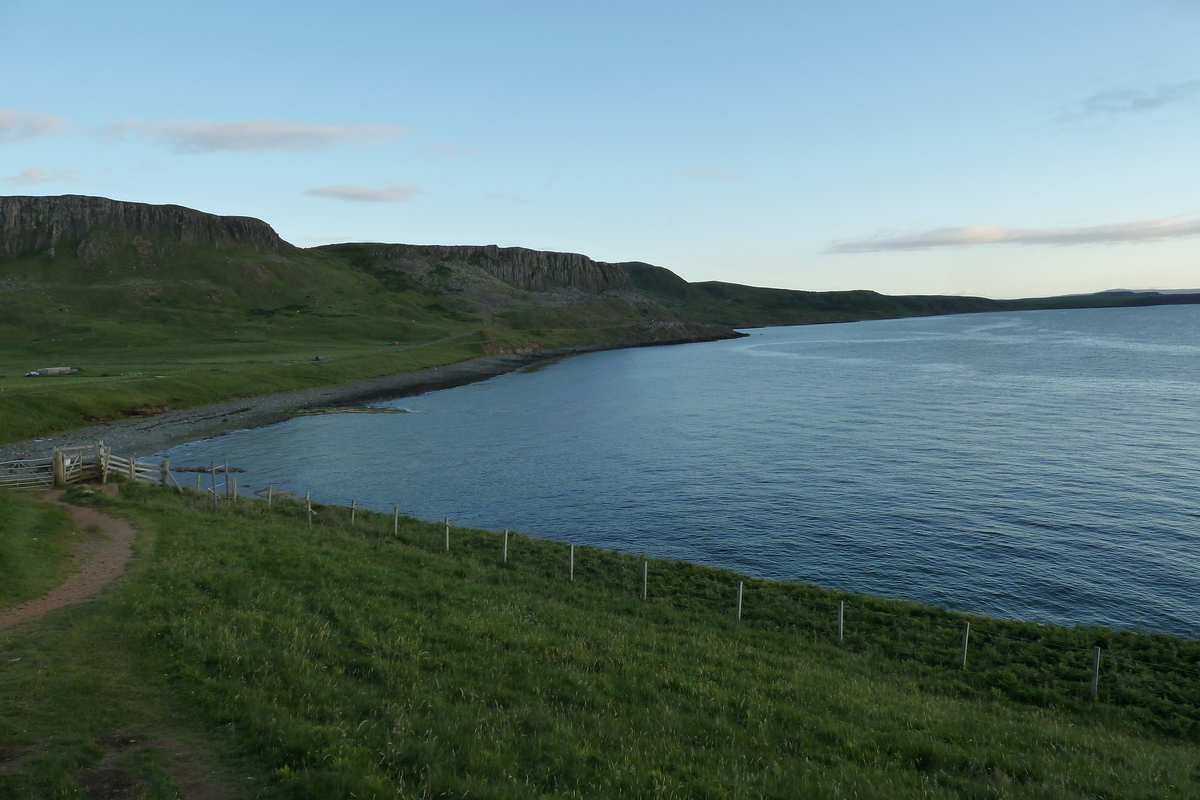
[1002, 149]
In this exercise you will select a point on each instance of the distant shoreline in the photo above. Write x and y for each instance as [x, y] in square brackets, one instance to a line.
[144, 435]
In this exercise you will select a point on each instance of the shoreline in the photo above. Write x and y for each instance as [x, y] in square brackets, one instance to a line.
[143, 435]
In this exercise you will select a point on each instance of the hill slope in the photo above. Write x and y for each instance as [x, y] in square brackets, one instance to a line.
[355, 661]
[166, 307]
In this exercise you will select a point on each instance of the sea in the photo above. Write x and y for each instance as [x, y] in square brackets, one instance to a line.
[1040, 465]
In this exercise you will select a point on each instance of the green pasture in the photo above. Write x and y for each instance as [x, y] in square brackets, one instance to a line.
[198, 325]
[351, 661]
[35, 547]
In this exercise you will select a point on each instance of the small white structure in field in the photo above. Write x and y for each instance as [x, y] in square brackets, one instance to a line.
[47, 371]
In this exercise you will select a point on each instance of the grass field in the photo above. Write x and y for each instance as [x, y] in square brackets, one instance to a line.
[35, 547]
[351, 662]
[203, 325]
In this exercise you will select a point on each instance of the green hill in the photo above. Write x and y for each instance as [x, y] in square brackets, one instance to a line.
[163, 307]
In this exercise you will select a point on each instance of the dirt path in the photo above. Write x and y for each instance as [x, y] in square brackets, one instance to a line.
[105, 550]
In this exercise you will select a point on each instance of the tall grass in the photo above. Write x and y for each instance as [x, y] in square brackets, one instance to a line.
[353, 662]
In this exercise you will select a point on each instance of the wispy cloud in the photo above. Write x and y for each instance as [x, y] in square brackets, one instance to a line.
[711, 173]
[16, 126]
[33, 175]
[390, 193]
[202, 136]
[970, 235]
[451, 149]
[1112, 102]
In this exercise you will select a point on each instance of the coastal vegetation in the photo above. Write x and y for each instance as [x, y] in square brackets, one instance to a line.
[367, 660]
[164, 308]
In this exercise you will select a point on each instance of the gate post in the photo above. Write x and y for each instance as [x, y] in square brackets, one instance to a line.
[60, 469]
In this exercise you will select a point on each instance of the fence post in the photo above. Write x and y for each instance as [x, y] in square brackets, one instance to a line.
[447, 534]
[740, 584]
[962, 661]
[270, 494]
[198, 486]
[307, 506]
[228, 488]
[841, 620]
[645, 577]
[60, 468]
[104, 453]
[235, 486]
[212, 470]
[1096, 675]
[396, 521]
[133, 469]
[166, 473]
[506, 545]
[353, 508]
[572, 563]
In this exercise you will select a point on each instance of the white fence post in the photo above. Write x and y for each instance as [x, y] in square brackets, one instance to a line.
[841, 620]
[962, 661]
[739, 609]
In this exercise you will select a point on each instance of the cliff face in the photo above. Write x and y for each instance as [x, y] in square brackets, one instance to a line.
[535, 270]
[33, 224]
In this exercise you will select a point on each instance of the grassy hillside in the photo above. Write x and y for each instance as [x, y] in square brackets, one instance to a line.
[750, 306]
[185, 326]
[351, 662]
[154, 324]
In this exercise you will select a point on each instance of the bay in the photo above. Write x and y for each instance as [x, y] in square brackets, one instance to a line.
[1035, 465]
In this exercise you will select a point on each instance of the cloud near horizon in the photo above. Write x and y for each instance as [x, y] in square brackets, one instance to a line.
[1132, 101]
[970, 235]
[203, 136]
[18, 126]
[33, 175]
[391, 193]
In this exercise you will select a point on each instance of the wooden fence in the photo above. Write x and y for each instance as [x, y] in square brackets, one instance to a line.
[79, 464]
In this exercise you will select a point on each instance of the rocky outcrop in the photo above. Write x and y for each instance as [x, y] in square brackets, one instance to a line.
[37, 224]
[535, 270]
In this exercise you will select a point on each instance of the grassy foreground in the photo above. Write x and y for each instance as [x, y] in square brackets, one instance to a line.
[35, 547]
[350, 662]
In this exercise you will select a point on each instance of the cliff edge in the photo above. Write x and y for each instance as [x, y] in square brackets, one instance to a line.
[35, 224]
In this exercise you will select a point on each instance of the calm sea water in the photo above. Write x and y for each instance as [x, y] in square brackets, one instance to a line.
[1038, 465]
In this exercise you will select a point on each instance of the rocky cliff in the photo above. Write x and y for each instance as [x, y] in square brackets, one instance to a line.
[35, 224]
[534, 270]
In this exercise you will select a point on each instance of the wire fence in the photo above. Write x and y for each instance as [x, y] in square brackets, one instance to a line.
[1155, 677]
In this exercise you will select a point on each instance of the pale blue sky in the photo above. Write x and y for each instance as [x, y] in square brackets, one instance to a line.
[999, 148]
